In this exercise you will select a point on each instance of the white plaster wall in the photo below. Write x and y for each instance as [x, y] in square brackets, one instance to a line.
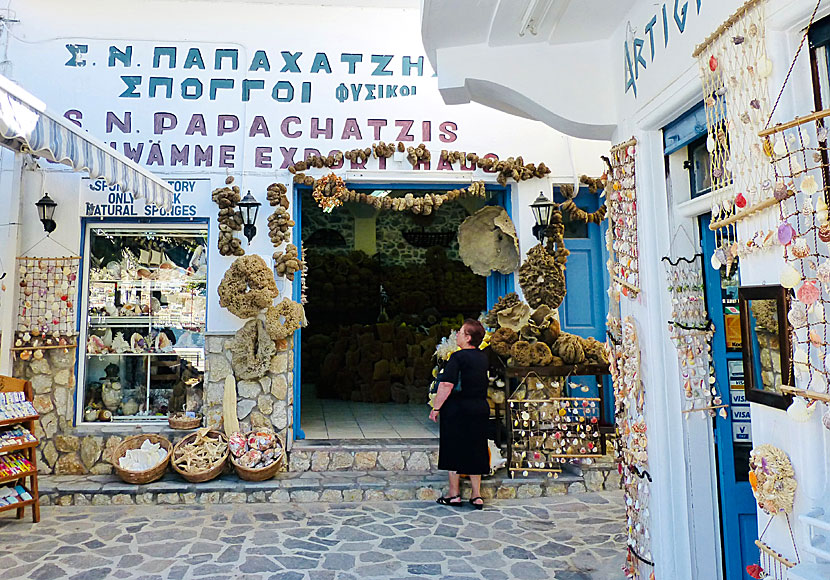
[36, 53]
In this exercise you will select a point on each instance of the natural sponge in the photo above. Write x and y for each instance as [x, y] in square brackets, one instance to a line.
[247, 287]
[284, 318]
[541, 354]
[251, 351]
[522, 353]
[502, 341]
[569, 348]
[287, 263]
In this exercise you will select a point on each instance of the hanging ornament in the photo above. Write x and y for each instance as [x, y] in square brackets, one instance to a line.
[809, 185]
[713, 63]
[800, 248]
[740, 200]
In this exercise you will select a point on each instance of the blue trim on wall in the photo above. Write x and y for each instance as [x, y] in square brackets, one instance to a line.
[497, 284]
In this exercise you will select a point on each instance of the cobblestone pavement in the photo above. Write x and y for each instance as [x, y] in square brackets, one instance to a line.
[573, 537]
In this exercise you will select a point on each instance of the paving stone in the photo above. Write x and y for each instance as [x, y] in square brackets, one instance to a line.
[338, 562]
[424, 569]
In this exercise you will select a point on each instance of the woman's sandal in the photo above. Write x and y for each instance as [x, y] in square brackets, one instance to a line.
[478, 506]
[449, 500]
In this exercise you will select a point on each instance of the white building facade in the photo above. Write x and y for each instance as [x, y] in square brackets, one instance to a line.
[617, 70]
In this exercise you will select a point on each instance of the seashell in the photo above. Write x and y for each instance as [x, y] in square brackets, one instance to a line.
[823, 272]
[797, 315]
[808, 293]
[780, 191]
[26, 355]
[786, 233]
[814, 338]
[713, 63]
[799, 411]
[825, 419]
[780, 148]
[717, 265]
[740, 200]
[764, 67]
[755, 104]
[38, 354]
[800, 248]
[710, 144]
[809, 185]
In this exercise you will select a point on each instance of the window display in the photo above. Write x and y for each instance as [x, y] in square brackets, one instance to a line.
[145, 321]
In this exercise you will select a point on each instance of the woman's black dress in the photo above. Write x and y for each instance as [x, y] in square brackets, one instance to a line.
[465, 414]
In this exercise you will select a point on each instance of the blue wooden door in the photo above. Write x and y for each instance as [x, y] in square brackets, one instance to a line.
[733, 438]
[583, 310]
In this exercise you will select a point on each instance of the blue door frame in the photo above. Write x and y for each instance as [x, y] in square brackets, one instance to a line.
[497, 284]
[739, 524]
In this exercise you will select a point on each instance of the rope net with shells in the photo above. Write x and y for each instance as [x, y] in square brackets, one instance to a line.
[799, 157]
[734, 70]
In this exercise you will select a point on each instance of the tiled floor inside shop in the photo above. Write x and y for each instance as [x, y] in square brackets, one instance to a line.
[335, 419]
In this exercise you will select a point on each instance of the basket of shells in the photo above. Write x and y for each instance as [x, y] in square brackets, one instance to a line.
[184, 421]
[201, 456]
[257, 455]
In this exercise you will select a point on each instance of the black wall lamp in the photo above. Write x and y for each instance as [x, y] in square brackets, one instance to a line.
[542, 209]
[46, 211]
[249, 208]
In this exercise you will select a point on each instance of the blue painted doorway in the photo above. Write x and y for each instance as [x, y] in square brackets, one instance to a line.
[583, 310]
[733, 437]
[497, 284]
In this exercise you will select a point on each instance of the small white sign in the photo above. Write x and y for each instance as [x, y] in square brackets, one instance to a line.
[741, 432]
[740, 414]
[737, 397]
[191, 198]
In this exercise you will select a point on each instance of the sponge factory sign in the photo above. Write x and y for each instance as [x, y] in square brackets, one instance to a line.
[191, 198]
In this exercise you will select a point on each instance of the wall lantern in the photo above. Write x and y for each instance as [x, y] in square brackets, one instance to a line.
[249, 208]
[46, 211]
[542, 212]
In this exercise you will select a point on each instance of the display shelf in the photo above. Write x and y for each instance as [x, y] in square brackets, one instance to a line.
[27, 450]
[19, 446]
[146, 281]
[559, 371]
[16, 420]
[16, 476]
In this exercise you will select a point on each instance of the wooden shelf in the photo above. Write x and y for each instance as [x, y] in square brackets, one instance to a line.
[17, 420]
[26, 450]
[16, 476]
[560, 371]
[18, 447]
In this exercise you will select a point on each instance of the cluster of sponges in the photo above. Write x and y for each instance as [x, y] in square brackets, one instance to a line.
[247, 287]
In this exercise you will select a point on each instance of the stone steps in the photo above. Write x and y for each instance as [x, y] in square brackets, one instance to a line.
[328, 486]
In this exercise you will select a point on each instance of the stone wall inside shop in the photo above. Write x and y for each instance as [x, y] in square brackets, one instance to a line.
[264, 403]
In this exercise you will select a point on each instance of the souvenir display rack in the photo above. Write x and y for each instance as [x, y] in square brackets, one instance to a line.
[692, 332]
[623, 246]
[20, 457]
[530, 439]
[144, 329]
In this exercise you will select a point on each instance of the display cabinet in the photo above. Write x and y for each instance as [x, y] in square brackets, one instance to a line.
[144, 323]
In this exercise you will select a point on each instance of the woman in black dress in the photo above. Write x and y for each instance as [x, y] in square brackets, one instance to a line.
[461, 404]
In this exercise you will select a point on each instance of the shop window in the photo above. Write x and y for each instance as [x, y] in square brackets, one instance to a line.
[700, 168]
[145, 299]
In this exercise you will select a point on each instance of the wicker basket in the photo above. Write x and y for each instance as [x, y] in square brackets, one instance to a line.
[208, 474]
[135, 442]
[260, 473]
[184, 423]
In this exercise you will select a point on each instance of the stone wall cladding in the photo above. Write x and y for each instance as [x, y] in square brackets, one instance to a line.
[264, 403]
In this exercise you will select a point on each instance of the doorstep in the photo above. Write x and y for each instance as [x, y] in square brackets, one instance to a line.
[306, 486]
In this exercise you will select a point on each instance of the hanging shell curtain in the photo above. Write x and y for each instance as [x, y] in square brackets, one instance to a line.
[621, 238]
[631, 447]
[734, 69]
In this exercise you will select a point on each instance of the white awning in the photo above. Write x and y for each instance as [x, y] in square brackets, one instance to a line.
[27, 126]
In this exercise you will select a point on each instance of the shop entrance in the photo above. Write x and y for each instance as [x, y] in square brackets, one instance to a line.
[733, 437]
[383, 288]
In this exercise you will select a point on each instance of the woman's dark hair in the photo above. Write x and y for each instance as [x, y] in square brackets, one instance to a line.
[475, 331]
